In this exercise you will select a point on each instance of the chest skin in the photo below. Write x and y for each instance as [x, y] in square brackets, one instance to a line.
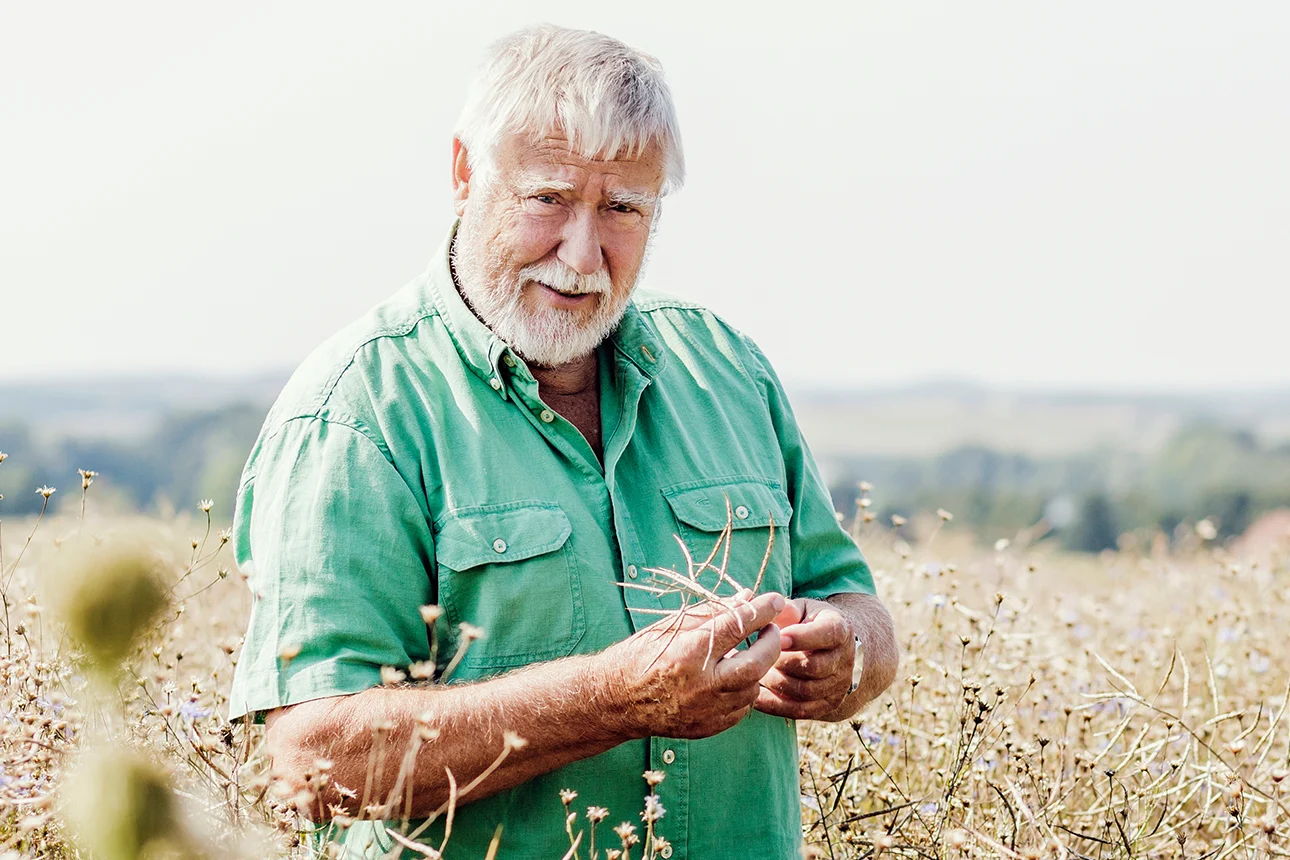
[582, 410]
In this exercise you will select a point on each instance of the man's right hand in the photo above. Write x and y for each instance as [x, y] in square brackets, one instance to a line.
[682, 677]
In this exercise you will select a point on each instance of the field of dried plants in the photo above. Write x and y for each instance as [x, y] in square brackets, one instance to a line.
[1049, 705]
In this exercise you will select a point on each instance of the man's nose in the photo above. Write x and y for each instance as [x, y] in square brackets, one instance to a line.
[580, 245]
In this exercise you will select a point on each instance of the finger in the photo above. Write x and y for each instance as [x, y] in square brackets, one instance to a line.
[817, 664]
[688, 618]
[739, 622]
[734, 718]
[748, 666]
[768, 702]
[793, 613]
[831, 690]
[669, 625]
[826, 630]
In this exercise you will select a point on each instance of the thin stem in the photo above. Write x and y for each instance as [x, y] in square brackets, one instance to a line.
[9, 577]
[4, 589]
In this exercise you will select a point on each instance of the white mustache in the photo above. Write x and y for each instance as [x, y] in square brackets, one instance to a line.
[566, 279]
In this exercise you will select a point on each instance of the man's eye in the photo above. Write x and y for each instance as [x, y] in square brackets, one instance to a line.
[548, 199]
[622, 207]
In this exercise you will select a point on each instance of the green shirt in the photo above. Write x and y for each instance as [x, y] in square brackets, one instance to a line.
[410, 461]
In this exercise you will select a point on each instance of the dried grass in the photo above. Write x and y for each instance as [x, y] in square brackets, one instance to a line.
[1049, 706]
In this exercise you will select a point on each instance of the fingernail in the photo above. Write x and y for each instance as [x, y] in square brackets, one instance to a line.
[779, 602]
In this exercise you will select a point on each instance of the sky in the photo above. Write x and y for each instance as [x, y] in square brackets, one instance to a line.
[1059, 195]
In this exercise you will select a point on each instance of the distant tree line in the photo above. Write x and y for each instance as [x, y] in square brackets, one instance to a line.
[1204, 471]
[1087, 501]
[189, 456]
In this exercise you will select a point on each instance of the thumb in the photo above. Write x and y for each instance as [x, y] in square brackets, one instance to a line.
[793, 613]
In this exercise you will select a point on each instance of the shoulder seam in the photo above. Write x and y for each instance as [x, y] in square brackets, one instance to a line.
[743, 365]
[396, 331]
[347, 421]
[670, 303]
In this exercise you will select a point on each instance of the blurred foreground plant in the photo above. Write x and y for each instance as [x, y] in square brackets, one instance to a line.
[108, 594]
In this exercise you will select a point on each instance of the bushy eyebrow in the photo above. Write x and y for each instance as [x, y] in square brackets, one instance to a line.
[639, 199]
[528, 184]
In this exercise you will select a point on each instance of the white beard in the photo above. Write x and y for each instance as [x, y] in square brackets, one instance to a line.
[551, 336]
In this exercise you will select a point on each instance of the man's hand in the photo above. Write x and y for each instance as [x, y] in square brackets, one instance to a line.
[813, 673]
[683, 677]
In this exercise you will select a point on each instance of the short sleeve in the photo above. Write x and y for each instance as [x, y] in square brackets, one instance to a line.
[826, 561]
[337, 551]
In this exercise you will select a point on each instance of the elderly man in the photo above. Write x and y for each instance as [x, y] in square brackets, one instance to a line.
[517, 443]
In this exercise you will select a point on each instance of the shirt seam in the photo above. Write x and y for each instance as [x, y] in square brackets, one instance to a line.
[669, 302]
[403, 330]
[354, 424]
[273, 674]
[735, 334]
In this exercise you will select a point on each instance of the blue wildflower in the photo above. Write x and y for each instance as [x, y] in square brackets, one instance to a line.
[193, 711]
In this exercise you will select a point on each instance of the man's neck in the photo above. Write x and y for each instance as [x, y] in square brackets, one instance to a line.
[567, 380]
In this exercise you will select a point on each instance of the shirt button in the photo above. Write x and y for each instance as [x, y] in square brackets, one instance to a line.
[499, 545]
[741, 512]
[496, 383]
[668, 756]
[631, 571]
[666, 852]
[547, 416]
[508, 361]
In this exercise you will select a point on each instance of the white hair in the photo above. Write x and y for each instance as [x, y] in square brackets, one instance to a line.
[602, 95]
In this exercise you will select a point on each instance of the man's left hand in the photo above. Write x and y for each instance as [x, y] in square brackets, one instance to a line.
[817, 655]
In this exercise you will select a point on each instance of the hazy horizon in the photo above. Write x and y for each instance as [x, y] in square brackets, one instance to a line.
[948, 383]
[1073, 198]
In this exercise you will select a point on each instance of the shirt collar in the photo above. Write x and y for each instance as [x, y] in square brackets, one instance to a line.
[486, 354]
[637, 341]
[480, 349]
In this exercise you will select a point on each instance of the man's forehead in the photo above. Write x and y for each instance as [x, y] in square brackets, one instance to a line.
[551, 157]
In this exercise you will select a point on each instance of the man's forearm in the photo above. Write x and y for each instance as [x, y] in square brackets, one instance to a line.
[568, 705]
[392, 747]
[872, 622]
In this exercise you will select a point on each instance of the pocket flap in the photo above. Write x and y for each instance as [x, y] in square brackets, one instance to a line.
[491, 534]
[752, 504]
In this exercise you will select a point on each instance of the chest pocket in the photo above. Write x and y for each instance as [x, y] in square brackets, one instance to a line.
[509, 570]
[701, 512]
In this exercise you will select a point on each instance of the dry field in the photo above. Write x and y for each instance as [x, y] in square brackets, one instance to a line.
[1048, 705]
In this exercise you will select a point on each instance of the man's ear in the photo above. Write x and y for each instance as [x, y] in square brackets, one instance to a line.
[460, 176]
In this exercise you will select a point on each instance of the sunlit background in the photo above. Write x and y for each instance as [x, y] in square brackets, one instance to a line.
[1024, 261]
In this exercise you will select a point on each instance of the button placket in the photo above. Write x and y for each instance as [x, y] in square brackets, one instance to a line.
[629, 547]
[670, 755]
